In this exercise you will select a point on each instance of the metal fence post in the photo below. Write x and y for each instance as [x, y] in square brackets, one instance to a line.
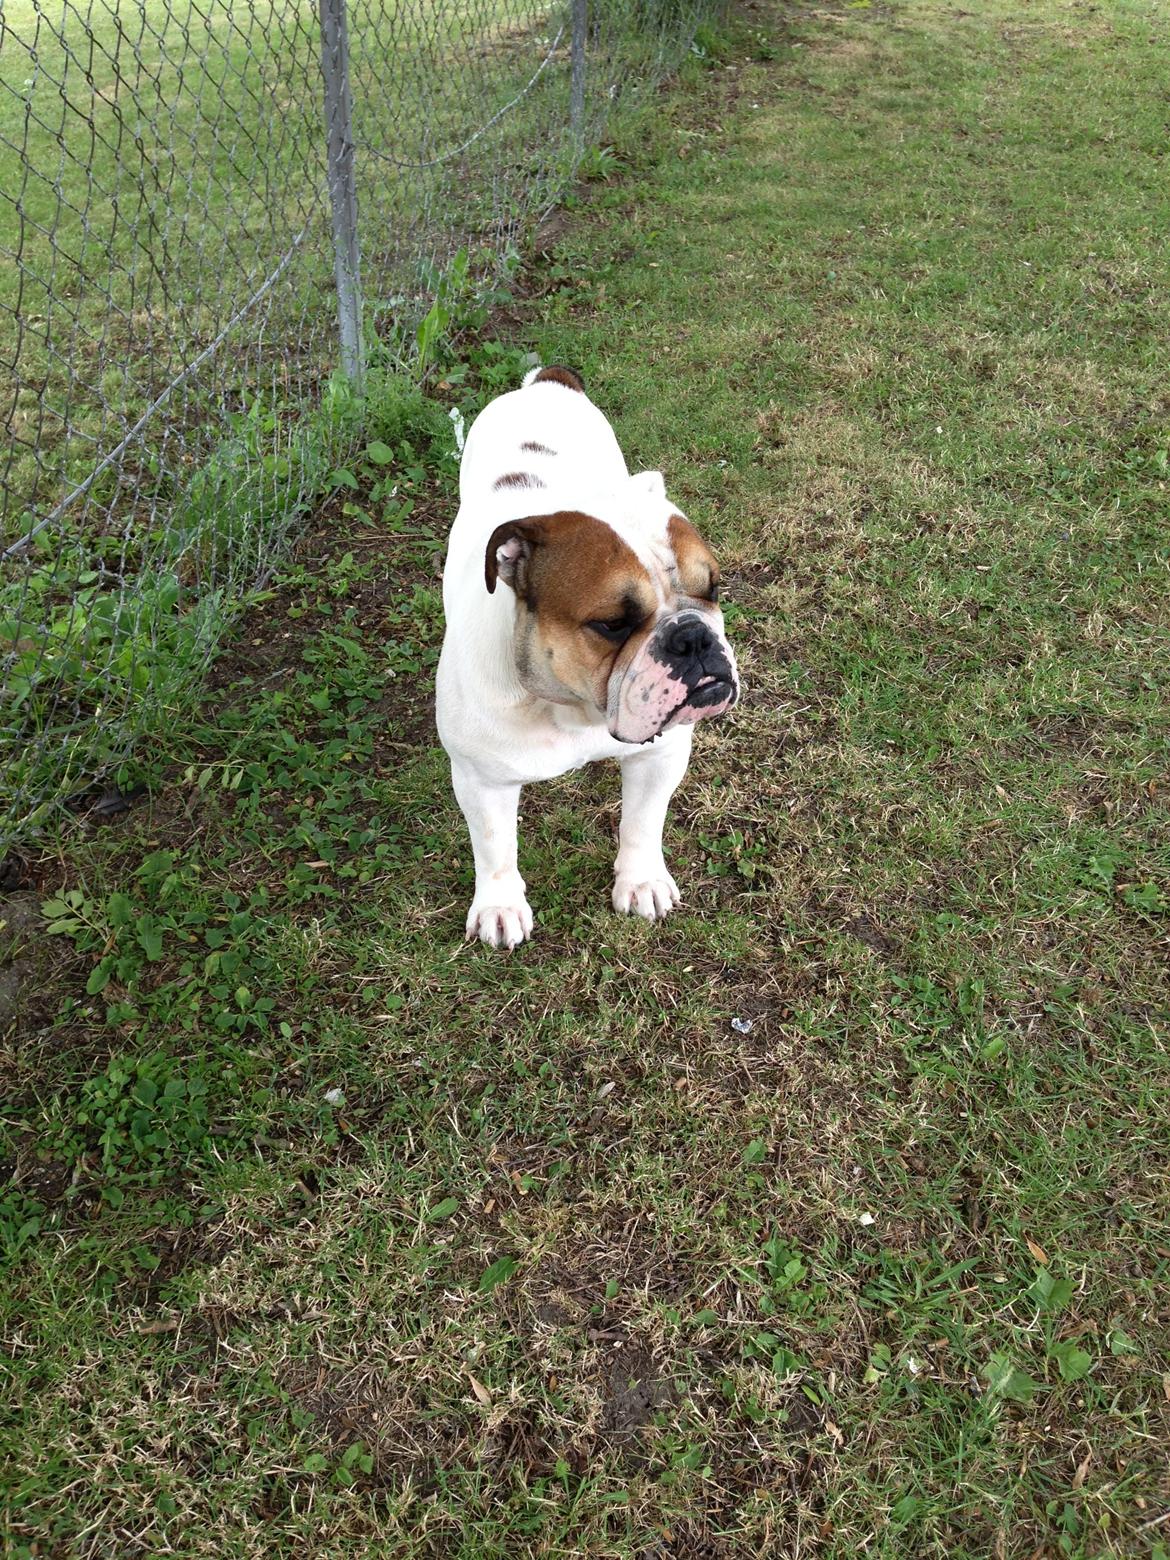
[342, 190]
[577, 83]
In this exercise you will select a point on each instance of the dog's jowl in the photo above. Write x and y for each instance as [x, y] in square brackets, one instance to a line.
[582, 623]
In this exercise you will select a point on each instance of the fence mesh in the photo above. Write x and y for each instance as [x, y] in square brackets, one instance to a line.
[169, 332]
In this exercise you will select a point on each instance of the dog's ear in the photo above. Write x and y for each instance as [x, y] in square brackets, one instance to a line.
[509, 549]
[649, 485]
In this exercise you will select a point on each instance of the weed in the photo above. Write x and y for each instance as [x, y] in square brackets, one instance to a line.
[714, 46]
[600, 163]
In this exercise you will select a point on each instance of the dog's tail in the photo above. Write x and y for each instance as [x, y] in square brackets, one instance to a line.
[557, 375]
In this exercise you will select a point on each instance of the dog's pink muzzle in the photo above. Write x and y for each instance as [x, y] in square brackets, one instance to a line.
[684, 673]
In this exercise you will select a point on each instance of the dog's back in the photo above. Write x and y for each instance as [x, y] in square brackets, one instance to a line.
[546, 435]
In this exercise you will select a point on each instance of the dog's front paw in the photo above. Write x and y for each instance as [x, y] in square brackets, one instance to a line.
[500, 925]
[651, 895]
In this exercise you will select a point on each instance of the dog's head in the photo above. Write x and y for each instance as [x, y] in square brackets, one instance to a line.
[618, 614]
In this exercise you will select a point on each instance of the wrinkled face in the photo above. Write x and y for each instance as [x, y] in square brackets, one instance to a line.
[627, 625]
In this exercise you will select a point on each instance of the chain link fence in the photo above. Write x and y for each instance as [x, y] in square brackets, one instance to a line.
[214, 214]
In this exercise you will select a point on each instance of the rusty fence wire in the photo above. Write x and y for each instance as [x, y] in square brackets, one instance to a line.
[214, 215]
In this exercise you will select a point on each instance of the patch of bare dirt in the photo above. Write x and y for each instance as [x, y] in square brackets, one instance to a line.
[634, 1392]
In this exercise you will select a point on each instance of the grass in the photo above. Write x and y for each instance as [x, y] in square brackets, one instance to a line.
[828, 1218]
[215, 122]
[161, 175]
[156, 167]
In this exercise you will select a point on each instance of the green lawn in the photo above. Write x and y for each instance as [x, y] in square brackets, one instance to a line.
[178, 141]
[831, 1217]
[167, 307]
[159, 163]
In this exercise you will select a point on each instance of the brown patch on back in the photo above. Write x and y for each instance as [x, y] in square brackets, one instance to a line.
[557, 375]
[517, 479]
[697, 570]
[537, 449]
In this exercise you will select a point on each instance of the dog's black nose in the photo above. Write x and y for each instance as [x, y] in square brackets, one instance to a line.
[690, 636]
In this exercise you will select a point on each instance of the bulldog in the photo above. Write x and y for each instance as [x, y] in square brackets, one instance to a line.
[582, 622]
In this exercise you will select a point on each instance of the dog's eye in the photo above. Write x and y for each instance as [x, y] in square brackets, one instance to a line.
[713, 593]
[616, 632]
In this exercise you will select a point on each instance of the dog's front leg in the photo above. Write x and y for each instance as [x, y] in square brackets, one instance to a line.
[650, 777]
[499, 914]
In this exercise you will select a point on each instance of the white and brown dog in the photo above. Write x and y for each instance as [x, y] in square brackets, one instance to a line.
[606, 642]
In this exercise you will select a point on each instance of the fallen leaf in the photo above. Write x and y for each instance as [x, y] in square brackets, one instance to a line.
[162, 1325]
[1082, 1470]
[1037, 1251]
[481, 1392]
